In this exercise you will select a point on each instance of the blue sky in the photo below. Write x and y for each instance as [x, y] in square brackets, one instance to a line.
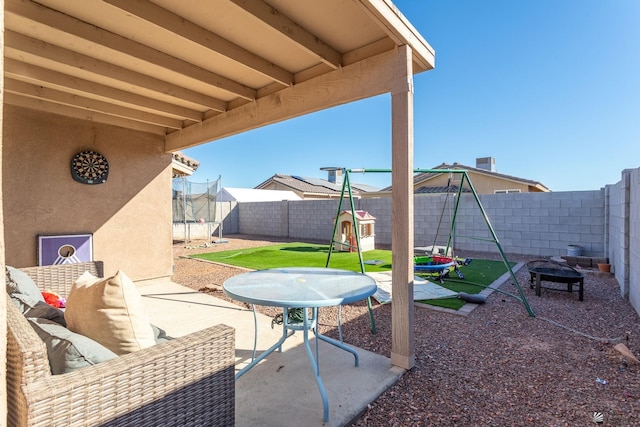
[549, 88]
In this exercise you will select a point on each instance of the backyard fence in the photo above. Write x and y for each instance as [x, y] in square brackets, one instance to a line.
[602, 223]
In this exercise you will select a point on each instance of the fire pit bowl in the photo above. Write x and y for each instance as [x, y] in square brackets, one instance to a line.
[557, 272]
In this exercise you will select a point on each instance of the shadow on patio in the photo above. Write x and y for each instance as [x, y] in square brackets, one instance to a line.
[281, 390]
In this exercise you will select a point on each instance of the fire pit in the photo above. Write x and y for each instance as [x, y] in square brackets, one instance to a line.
[557, 272]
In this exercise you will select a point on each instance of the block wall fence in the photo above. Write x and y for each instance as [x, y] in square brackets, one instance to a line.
[541, 224]
[604, 223]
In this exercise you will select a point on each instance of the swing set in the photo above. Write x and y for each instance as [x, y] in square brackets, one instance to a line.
[346, 189]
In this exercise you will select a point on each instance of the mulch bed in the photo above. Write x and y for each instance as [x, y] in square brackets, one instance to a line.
[498, 366]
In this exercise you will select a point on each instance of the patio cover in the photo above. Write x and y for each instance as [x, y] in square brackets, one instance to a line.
[196, 71]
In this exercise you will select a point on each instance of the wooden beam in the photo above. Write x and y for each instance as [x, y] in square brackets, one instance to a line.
[402, 309]
[37, 52]
[394, 23]
[50, 107]
[292, 30]
[370, 77]
[64, 98]
[169, 21]
[28, 73]
[47, 21]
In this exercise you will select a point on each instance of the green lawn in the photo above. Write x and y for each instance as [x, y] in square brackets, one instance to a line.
[298, 254]
[480, 272]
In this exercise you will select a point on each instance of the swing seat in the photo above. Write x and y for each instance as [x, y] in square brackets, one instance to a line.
[432, 263]
[432, 250]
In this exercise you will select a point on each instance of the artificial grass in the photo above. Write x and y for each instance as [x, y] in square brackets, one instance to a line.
[297, 254]
[480, 272]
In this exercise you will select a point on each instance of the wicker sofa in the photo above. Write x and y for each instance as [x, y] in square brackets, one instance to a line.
[186, 381]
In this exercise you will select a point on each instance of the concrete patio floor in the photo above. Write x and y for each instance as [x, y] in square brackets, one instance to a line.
[281, 390]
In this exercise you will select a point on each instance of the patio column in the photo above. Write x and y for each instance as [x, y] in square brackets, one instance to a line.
[403, 342]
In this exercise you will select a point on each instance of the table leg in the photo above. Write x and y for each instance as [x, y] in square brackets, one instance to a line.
[276, 346]
[339, 345]
[315, 364]
[255, 332]
[538, 283]
[287, 331]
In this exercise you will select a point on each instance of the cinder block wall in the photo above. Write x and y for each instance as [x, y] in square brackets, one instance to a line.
[605, 223]
[381, 210]
[618, 225]
[312, 220]
[541, 224]
[634, 239]
[264, 218]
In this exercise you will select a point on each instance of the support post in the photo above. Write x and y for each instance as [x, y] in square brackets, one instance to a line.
[402, 320]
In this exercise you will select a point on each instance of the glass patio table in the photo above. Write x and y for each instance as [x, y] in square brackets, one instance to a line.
[307, 288]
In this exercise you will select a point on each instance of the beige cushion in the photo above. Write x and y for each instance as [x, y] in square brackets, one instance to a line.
[109, 311]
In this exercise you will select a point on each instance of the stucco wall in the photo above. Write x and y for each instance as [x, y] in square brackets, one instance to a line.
[129, 215]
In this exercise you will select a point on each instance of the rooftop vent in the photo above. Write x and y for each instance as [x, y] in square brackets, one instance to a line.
[334, 174]
[486, 163]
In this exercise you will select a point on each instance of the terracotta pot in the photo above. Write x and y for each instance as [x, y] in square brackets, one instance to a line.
[605, 268]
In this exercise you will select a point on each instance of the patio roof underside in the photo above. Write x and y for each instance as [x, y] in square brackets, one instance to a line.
[196, 71]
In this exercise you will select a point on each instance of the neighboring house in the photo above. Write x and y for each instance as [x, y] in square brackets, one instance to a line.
[183, 165]
[314, 188]
[483, 176]
[229, 194]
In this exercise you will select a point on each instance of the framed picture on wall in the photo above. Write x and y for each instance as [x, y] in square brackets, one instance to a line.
[65, 249]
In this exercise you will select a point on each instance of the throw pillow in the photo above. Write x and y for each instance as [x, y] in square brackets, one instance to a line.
[19, 282]
[160, 335]
[24, 302]
[66, 351]
[109, 311]
[43, 310]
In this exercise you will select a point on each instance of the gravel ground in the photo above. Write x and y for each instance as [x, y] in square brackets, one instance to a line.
[496, 367]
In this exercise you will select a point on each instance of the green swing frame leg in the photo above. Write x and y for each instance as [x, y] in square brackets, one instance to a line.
[371, 318]
[347, 186]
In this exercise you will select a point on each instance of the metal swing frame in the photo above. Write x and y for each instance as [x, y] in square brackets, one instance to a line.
[346, 187]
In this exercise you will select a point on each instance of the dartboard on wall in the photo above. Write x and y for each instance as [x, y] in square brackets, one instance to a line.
[89, 167]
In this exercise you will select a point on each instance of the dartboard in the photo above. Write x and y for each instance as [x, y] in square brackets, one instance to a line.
[89, 167]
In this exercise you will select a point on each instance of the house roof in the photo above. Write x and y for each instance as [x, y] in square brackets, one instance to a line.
[198, 70]
[421, 178]
[183, 165]
[228, 194]
[440, 189]
[313, 185]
